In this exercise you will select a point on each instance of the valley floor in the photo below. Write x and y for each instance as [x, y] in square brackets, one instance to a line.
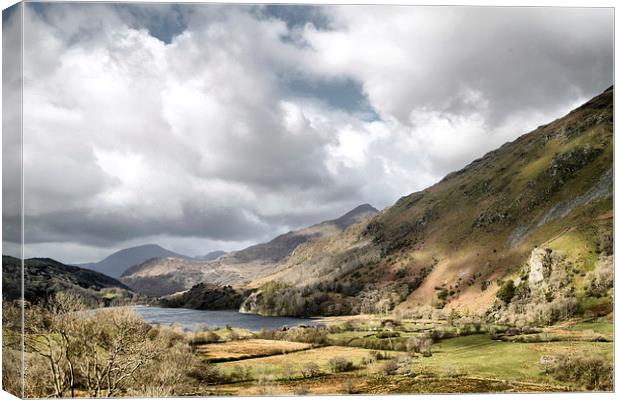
[478, 362]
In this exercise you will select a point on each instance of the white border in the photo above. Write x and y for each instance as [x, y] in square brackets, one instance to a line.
[523, 3]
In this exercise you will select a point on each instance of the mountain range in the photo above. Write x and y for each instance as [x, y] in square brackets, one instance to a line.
[116, 263]
[164, 276]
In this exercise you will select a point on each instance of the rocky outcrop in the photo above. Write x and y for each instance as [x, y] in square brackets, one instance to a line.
[541, 263]
[251, 304]
[542, 294]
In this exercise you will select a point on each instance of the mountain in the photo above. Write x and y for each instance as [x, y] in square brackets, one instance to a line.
[43, 277]
[213, 255]
[116, 263]
[280, 247]
[163, 276]
[466, 239]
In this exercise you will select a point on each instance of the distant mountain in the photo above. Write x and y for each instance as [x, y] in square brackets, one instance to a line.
[115, 264]
[43, 277]
[280, 247]
[214, 255]
[167, 275]
[354, 216]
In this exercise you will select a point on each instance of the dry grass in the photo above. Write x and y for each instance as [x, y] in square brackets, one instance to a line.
[241, 349]
[289, 365]
[359, 383]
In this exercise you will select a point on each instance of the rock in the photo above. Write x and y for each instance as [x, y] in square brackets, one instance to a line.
[540, 265]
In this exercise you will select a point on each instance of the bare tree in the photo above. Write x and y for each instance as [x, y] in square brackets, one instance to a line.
[49, 334]
[115, 346]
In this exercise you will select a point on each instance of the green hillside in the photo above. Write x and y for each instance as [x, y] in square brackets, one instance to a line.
[43, 277]
[454, 244]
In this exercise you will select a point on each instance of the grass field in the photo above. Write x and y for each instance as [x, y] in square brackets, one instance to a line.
[478, 356]
[289, 365]
[602, 326]
[240, 349]
[465, 364]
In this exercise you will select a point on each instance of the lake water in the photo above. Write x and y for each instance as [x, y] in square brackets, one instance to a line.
[189, 318]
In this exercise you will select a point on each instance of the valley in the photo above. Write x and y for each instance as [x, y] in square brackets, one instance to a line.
[498, 278]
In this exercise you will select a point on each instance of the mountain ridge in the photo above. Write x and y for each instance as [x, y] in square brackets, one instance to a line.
[164, 276]
[116, 263]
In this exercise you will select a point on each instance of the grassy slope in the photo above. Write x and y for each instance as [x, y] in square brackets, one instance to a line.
[507, 181]
[478, 356]
[480, 224]
[44, 276]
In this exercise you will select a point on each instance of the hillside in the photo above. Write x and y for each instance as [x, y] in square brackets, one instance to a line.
[163, 276]
[116, 263]
[454, 244]
[43, 277]
[205, 296]
[213, 255]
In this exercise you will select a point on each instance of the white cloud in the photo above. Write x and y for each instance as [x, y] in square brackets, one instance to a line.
[196, 143]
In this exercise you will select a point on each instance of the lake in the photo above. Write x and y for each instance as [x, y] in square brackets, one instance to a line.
[189, 318]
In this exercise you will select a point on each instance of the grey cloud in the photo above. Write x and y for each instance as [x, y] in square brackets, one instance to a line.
[107, 228]
[11, 128]
[225, 125]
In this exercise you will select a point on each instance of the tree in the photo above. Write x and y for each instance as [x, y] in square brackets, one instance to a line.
[115, 346]
[50, 335]
[420, 344]
[507, 291]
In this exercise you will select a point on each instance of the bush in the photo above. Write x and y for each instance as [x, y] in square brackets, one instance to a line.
[389, 367]
[420, 344]
[200, 338]
[310, 370]
[340, 364]
[240, 373]
[387, 334]
[507, 291]
[208, 374]
[599, 281]
[594, 372]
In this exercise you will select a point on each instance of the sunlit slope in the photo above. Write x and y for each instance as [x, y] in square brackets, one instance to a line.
[448, 245]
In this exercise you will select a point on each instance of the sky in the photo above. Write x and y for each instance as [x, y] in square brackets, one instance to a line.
[206, 127]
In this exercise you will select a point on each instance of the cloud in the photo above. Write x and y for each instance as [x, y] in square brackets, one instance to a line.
[211, 125]
[11, 129]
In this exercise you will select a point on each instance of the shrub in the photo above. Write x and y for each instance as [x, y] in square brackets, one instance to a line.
[387, 334]
[340, 364]
[389, 367]
[310, 370]
[506, 291]
[594, 372]
[206, 337]
[306, 335]
[420, 344]
[240, 373]
[599, 281]
[377, 355]
[207, 373]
